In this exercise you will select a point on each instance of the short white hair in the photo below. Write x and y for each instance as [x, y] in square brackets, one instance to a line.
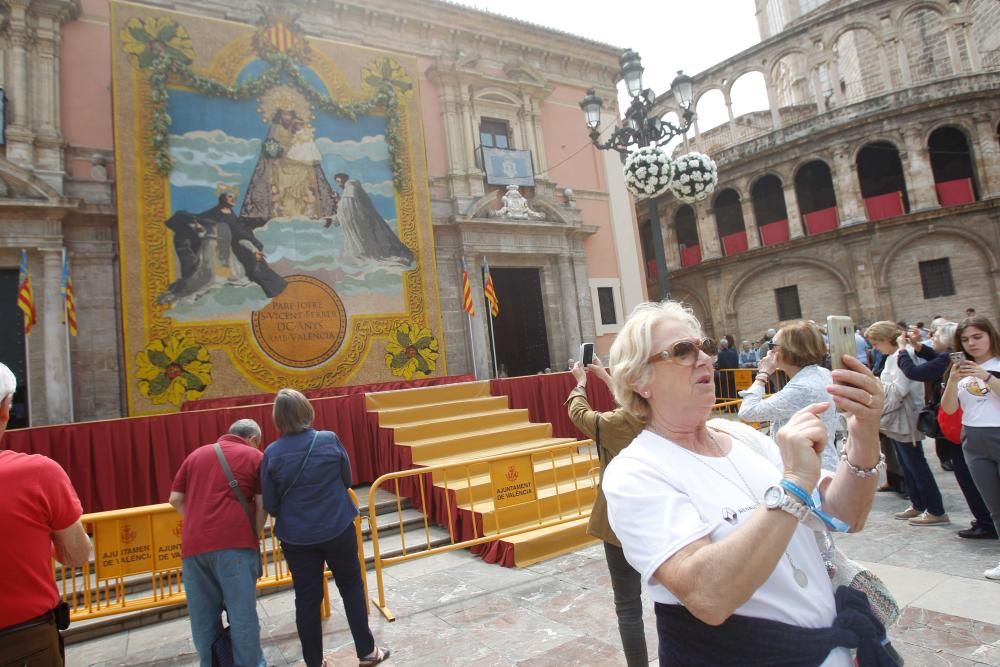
[630, 353]
[8, 383]
[945, 332]
[245, 428]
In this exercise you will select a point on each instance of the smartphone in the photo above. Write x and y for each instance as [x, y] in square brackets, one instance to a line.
[957, 357]
[586, 354]
[840, 330]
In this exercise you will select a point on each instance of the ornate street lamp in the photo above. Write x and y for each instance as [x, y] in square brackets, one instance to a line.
[639, 130]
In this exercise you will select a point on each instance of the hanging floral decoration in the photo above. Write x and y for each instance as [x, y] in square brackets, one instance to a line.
[173, 370]
[647, 171]
[694, 177]
[163, 49]
[412, 351]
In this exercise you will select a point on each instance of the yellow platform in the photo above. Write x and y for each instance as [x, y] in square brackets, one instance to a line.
[452, 424]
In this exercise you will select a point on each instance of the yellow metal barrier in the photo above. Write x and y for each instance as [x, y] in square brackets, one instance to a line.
[491, 499]
[140, 547]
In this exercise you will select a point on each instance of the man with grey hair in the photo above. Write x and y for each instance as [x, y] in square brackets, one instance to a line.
[40, 510]
[220, 552]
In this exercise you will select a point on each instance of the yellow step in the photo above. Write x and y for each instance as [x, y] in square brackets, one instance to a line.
[394, 417]
[491, 452]
[537, 545]
[470, 443]
[570, 499]
[477, 488]
[464, 423]
[406, 398]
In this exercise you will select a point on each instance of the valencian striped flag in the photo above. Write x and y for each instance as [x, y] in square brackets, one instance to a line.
[69, 303]
[25, 295]
[488, 290]
[467, 291]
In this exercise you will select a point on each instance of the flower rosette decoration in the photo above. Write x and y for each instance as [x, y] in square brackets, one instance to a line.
[412, 351]
[146, 39]
[693, 177]
[647, 171]
[173, 370]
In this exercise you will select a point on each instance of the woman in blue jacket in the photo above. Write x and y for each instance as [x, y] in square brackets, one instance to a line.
[936, 362]
[305, 475]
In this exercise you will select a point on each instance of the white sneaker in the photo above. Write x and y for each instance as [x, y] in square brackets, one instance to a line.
[993, 573]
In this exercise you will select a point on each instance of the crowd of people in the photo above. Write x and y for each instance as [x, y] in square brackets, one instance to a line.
[729, 528]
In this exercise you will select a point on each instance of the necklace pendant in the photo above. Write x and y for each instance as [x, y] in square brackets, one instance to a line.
[800, 577]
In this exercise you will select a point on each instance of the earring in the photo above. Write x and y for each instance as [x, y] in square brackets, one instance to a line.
[645, 394]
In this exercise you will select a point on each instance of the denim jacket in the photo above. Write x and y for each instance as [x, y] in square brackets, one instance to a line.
[317, 508]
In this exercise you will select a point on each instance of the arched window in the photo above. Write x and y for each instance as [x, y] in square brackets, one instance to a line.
[768, 199]
[951, 162]
[816, 197]
[883, 186]
[729, 218]
[686, 229]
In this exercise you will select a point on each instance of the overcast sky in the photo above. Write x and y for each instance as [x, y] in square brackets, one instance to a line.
[669, 35]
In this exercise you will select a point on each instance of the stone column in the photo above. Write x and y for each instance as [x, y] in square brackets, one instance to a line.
[20, 149]
[772, 102]
[750, 222]
[953, 56]
[834, 70]
[917, 169]
[883, 69]
[974, 58]
[670, 248]
[541, 158]
[708, 231]
[849, 202]
[569, 304]
[796, 227]
[58, 392]
[585, 315]
[904, 63]
[987, 155]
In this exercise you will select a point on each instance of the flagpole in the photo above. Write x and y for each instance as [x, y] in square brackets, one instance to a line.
[493, 342]
[468, 316]
[69, 358]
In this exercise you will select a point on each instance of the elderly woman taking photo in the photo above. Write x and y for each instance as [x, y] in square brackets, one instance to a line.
[798, 350]
[305, 475]
[719, 519]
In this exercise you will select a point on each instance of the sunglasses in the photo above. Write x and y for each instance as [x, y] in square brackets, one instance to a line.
[685, 352]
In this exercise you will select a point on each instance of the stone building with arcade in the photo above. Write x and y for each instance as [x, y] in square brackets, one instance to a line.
[866, 182]
[123, 116]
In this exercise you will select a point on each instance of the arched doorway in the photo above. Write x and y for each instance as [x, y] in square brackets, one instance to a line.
[816, 197]
[729, 219]
[883, 186]
[686, 228]
[768, 197]
[951, 162]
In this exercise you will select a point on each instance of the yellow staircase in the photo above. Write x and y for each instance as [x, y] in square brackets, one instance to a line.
[455, 423]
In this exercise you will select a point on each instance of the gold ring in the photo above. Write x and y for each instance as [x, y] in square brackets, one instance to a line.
[869, 403]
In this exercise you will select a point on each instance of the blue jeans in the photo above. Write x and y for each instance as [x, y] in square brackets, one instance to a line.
[305, 561]
[224, 579]
[920, 485]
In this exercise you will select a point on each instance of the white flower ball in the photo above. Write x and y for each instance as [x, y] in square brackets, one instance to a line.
[685, 178]
[640, 172]
[653, 169]
[696, 176]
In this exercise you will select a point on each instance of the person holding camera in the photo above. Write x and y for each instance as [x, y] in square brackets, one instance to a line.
[973, 384]
[611, 432]
[903, 400]
[937, 357]
[718, 518]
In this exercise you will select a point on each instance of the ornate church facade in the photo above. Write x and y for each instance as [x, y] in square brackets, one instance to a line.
[867, 184]
[102, 162]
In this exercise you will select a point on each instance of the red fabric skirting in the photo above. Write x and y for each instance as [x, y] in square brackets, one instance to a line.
[545, 397]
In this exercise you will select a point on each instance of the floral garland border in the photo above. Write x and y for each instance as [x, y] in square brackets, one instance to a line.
[384, 75]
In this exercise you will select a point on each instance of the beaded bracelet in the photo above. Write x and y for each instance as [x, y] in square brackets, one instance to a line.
[861, 472]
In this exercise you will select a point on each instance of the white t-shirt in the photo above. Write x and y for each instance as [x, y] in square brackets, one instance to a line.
[980, 404]
[662, 497]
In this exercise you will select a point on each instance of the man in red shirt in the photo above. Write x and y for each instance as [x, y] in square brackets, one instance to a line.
[220, 550]
[40, 509]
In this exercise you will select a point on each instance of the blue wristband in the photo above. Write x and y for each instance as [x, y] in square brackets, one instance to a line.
[831, 522]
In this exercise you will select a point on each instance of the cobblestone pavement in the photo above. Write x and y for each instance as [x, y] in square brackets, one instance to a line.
[452, 609]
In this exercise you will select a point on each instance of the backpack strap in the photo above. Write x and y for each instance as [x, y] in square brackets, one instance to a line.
[235, 487]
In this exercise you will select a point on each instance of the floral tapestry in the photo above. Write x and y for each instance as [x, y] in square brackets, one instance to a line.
[274, 215]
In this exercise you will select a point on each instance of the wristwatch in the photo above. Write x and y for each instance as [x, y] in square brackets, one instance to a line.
[776, 498]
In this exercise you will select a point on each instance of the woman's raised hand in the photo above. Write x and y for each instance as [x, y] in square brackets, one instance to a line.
[598, 369]
[801, 442]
